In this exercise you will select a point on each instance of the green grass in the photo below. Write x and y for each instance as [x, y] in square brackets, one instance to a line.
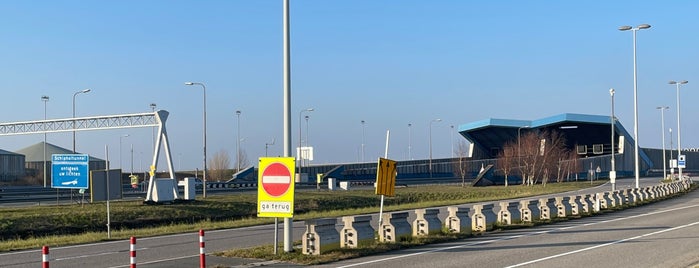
[32, 227]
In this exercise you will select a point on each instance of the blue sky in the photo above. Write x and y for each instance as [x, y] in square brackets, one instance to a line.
[389, 63]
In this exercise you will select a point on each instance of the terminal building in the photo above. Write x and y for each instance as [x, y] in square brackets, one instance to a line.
[589, 137]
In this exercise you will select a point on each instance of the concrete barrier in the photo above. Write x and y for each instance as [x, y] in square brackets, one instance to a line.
[509, 213]
[483, 217]
[320, 236]
[395, 227]
[575, 205]
[563, 206]
[530, 210]
[458, 220]
[587, 202]
[426, 222]
[548, 208]
[356, 232]
[604, 201]
[614, 200]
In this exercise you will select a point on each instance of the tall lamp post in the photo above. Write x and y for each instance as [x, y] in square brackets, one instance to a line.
[363, 140]
[410, 145]
[432, 121]
[662, 123]
[204, 90]
[635, 97]
[679, 130]
[237, 158]
[672, 169]
[300, 154]
[307, 142]
[452, 140]
[612, 173]
[75, 94]
[45, 99]
[121, 166]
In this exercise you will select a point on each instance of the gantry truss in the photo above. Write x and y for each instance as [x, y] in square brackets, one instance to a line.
[152, 119]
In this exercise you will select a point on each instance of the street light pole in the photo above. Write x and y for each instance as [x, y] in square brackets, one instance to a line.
[662, 123]
[410, 145]
[363, 140]
[679, 130]
[300, 154]
[307, 143]
[452, 140]
[672, 169]
[635, 97]
[612, 174]
[204, 90]
[75, 94]
[45, 99]
[431, 121]
[121, 166]
[237, 158]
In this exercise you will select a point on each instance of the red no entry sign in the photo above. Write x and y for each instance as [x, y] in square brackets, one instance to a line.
[276, 179]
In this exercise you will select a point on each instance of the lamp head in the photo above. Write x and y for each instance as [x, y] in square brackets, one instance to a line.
[611, 92]
[85, 90]
[684, 82]
[625, 28]
[45, 98]
[643, 26]
[310, 109]
[153, 105]
[188, 83]
[237, 112]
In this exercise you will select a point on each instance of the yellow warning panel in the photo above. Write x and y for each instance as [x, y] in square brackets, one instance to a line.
[386, 177]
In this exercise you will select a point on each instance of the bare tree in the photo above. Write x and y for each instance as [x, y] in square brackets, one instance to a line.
[506, 160]
[541, 151]
[461, 166]
[242, 161]
[219, 164]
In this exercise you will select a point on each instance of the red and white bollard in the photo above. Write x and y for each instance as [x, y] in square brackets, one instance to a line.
[202, 255]
[45, 257]
[132, 248]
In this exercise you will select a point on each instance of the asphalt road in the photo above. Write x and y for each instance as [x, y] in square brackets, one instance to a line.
[663, 234]
[182, 250]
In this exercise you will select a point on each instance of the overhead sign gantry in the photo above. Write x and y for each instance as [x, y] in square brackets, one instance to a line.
[151, 119]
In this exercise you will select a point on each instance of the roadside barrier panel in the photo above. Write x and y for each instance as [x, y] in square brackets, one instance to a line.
[575, 205]
[613, 200]
[356, 232]
[652, 193]
[604, 201]
[320, 236]
[509, 213]
[458, 220]
[621, 200]
[644, 194]
[633, 196]
[587, 202]
[637, 194]
[563, 206]
[530, 210]
[483, 217]
[426, 222]
[548, 208]
[395, 227]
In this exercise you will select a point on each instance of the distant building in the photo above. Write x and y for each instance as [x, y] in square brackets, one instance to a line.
[11, 166]
[34, 160]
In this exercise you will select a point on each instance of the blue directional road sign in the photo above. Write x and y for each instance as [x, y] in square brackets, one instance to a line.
[69, 171]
